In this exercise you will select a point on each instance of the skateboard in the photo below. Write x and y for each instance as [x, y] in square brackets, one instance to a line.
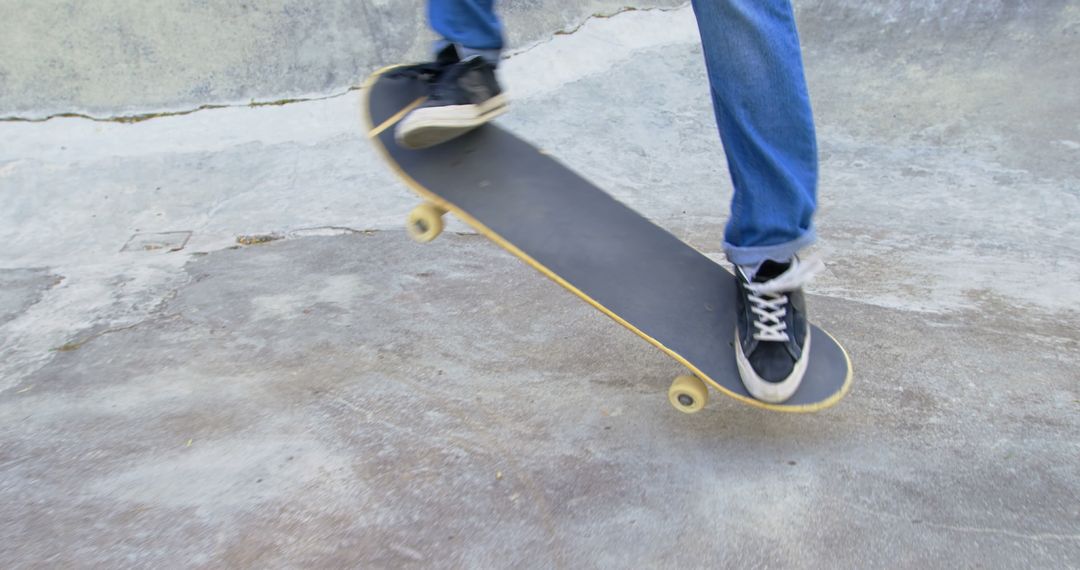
[611, 257]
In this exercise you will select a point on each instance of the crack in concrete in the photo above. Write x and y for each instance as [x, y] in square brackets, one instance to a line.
[597, 16]
[152, 316]
[141, 117]
[77, 344]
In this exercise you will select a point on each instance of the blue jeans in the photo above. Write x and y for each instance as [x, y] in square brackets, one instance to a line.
[471, 25]
[762, 109]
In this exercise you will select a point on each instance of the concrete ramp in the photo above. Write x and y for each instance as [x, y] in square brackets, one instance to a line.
[142, 57]
[218, 348]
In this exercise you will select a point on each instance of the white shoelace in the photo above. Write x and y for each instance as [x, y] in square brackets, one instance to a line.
[770, 303]
[769, 310]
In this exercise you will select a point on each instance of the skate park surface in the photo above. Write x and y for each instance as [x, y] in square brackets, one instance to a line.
[218, 347]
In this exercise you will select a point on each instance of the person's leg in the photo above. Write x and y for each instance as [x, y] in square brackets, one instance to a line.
[763, 113]
[472, 26]
[464, 90]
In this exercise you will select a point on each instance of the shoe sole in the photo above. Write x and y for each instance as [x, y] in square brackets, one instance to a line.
[429, 126]
[771, 392]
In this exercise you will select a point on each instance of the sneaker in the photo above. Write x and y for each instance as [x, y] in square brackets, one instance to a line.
[464, 95]
[772, 332]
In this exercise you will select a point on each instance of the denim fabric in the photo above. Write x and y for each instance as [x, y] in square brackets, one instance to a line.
[762, 108]
[471, 25]
[763, 113]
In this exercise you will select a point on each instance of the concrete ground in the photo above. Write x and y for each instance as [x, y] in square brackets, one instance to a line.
[218, 347]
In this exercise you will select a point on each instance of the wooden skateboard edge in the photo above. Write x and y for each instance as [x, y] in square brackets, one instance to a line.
[373, 132]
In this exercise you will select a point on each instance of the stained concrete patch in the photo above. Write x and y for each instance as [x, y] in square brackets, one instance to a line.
[158, 241]
[361, 400]
[21, 288]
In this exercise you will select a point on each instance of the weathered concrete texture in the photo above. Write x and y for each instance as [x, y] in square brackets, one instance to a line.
[352, 399]
[125, 57]
[21, 288]
[365, 401]
[122, 57]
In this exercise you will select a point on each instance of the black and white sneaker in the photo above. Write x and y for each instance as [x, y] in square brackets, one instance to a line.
[464, 95]
[772, 333]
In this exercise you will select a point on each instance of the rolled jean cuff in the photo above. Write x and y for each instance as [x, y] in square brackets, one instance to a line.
[755, 255]
[489, 55]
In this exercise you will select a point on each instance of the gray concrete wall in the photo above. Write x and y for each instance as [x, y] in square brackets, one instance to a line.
[117, 57]
[108, 58]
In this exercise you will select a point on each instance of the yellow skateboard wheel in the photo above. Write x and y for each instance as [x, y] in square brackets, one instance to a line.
[425, 222]
[688, 394]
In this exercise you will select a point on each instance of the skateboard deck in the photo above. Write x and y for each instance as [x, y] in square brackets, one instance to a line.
[610, 256]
